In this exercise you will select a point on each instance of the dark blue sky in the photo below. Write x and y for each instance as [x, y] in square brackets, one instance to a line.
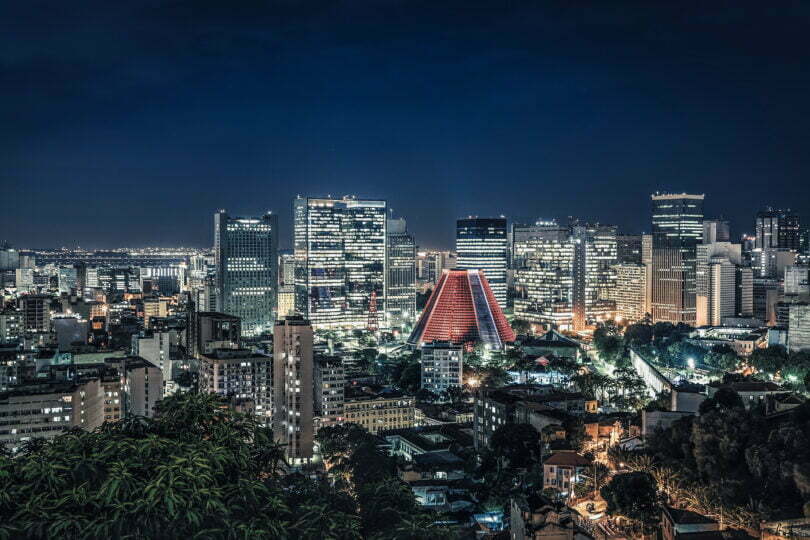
[131, 124]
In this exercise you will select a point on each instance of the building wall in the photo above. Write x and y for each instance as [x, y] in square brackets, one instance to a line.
[293, 423]
[381, 413]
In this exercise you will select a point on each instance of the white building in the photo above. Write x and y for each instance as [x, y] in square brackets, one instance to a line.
[442, 366]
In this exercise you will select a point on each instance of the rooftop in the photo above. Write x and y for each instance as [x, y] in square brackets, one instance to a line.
[567, 459]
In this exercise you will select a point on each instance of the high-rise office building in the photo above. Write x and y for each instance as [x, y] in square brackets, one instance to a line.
[293, 423]
[630, 291]
[566, 278]
[778, 229]
[481, 244]
[431, 264]
[340, 253]
[400, 296]
[628, 248]
[522, 235]
[716, 230]
[442, 366]
[247, 265]
[677, 222]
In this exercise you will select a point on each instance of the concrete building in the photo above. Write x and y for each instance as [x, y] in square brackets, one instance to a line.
[799, 327]
[562, 470]
[240, 375]
[677, 222]
[566, 280]
[401, 274]
[209, 330]
[716, 230]
[47, 410]
[329, 381]
[11, 327]
[778, 229]
[442, 366]
[431, 264]
[293, 422]
[247, 267]
[143, 386]
[156, 348]
[36, 312]
[628, 248]
[379, 411]
[481, 244]
[340, 255]
[630, 291]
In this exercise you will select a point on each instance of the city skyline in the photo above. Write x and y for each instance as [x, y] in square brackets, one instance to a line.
[164, 114]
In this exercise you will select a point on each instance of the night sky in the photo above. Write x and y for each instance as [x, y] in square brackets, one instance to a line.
[129, 125]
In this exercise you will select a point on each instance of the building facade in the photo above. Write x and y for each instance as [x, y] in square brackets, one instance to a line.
[329, 379]
[677, 226]
[340, 255]
[240, 375]
[293, 421]
[400, 296]
[630, 292]
[442, 366]
[246, 251]
[481, 244]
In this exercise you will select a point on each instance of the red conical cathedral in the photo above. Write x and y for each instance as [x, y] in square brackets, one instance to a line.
[462, 309]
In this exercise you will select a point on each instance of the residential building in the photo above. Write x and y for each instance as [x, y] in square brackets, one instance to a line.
[329, 379]
[46, 410]
[241, 375]
[247, 266]
[209, 330]
[293, 422]
[677, 222]
[463, 310]
[561, 470]
[538, 518]
[340, 254]
[442, 366]
[481, 244]
[401, 273]
[143, 386]
[157, 348]
[377, 410]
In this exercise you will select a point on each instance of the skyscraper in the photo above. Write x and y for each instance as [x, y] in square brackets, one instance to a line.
[778, 229]
[340, 253]
[293, 423]
[400, 293]
[677, 223]
[246, 251]
[566, 277]
[481, 244]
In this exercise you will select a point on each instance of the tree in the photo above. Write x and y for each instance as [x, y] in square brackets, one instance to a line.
[520, 326]
[518, 443]
[190, 469]
[411, 378]
[724, 398]
[769, 360]
[632, 495]
[638, 334]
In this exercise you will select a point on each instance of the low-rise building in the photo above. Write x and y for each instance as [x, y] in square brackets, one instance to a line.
[677, 523]
[377, 410]
[562, 470]
[537, 518]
